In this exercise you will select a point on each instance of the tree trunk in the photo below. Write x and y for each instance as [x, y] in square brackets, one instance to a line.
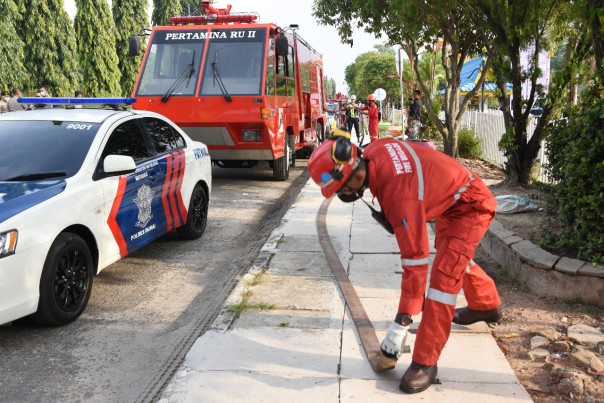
[516, 149]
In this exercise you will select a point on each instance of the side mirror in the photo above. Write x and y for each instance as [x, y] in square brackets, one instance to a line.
[134, 46]
[119, 164]
[281, 45]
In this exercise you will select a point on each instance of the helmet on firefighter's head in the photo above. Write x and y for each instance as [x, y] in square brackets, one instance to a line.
[332, 163]
[371, 97]
[353, 97]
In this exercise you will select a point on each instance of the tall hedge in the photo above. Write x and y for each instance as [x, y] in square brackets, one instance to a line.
[192, 7]
[163, 10]
[130, 18]
[50, 47]
[96, 34]
[575, 151]
[11, 47]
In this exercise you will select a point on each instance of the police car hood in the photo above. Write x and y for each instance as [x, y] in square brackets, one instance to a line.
[16, 197]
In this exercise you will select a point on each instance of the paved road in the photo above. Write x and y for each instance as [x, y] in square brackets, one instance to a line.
[146, 310]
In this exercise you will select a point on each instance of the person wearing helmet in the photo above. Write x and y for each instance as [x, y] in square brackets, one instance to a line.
[415, 184]
[372, 112]
[352, 116]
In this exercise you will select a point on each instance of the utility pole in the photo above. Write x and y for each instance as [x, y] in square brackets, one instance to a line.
[400, 71]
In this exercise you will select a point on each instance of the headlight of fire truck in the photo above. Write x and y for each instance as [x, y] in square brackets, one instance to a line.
[251, 135]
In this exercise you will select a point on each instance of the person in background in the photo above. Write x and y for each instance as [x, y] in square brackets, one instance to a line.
[13, 104]
[373, 114]
[44, 94]
[415, 184]
[415, 116]
[352, 116]
[4, 101]
[37, 106]
[78, 94]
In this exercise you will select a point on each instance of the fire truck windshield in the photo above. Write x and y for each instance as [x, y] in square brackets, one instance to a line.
[168, 59]
[238, 56]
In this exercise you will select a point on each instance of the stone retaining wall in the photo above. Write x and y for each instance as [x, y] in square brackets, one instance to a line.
[544, 273]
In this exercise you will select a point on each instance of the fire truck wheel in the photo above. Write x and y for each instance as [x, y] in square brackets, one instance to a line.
[320, 133]
[281, 165]
[197, 215]
[291, 144]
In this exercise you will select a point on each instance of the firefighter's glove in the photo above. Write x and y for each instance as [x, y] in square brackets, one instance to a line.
[393, 343]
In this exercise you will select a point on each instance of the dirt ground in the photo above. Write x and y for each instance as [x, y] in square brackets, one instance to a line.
[525, 314]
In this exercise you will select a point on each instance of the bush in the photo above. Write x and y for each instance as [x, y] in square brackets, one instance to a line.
[468, 144]
[576, 164]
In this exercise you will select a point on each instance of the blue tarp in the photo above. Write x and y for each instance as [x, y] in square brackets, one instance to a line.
[469, 76]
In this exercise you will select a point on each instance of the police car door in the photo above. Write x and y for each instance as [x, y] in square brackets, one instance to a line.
[167, 182]
[129, 199]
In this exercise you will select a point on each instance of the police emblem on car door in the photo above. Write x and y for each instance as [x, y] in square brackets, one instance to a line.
[132, 211]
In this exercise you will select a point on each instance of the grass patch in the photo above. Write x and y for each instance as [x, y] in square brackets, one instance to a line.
[256, 280]
[246, 305]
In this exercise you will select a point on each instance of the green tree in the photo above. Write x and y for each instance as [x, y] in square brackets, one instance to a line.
[373, 70]
[96, 34]
[416, 25]
[378, 71]
[330, 88]
[50, 47]
[130, 17]
[431, 71]
[165, 9]
[191, 7]
[514, 25]
[11, 47]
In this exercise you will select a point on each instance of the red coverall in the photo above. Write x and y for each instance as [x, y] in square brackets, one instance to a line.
[372, 113]
[415, 184]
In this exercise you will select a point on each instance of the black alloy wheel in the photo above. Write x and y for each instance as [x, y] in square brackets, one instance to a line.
[66, 281]
[197, 216]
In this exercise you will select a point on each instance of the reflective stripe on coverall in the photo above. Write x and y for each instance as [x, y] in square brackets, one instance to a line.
[415, 184]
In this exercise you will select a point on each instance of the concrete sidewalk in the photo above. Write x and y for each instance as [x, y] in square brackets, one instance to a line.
[303, 347]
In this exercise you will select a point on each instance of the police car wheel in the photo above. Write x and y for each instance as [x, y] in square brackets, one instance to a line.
[197, 216]
[66, 281]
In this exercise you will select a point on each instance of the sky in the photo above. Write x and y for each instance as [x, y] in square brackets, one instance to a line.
[336, 56]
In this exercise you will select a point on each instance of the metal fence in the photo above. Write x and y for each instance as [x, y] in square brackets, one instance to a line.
[490, 127]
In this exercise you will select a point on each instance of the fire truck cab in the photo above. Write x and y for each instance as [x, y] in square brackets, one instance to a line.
[250, 91]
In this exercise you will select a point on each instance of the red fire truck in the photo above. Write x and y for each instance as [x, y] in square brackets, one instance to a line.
[250, 91]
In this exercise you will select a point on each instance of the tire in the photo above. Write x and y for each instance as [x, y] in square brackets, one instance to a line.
[66, 281]
[291, 144]
[321, 132]
[281, 165]
[197, 216]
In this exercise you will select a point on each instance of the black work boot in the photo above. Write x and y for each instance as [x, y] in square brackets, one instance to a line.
[418, 378]
[467, 316]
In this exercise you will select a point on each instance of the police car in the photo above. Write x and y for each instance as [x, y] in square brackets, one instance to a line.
[81, 189]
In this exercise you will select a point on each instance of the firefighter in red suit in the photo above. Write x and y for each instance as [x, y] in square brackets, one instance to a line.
[372, 112]
[415, 184]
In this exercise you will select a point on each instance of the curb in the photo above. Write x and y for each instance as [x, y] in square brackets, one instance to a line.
[226, 317]
[544, 273]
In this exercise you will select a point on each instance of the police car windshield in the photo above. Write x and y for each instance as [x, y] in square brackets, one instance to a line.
[35, 150]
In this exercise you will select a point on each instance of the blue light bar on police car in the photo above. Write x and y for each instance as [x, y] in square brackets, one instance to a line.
[77, 101]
